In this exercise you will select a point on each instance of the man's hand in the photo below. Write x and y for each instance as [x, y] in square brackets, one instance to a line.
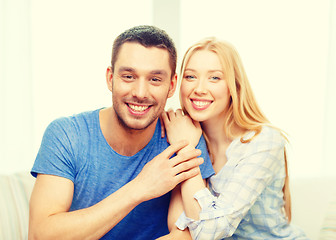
[181, 127]
[162, 174]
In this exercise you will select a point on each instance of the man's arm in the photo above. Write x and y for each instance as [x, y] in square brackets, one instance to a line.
[52, 196]
[51, 200]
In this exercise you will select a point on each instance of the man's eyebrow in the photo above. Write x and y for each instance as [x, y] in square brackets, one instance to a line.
[153, 72]
[126, 69]
[159, 72]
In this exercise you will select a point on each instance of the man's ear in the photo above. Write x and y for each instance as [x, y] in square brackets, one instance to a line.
[173, 84]
[109, 78]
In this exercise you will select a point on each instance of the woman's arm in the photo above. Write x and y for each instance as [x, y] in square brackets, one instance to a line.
[182, 127]
[175, 210]
[218, 217]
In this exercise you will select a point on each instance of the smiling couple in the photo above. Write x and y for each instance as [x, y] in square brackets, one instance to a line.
[109, 173]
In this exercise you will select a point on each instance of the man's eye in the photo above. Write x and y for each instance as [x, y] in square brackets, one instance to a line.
[127, 77]
[154, 79]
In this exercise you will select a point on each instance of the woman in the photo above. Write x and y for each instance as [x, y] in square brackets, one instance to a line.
[248, 197]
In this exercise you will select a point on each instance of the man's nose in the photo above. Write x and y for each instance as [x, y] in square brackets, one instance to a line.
[140, 89]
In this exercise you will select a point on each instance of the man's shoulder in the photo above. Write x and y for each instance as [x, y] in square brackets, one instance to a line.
[72, 126]
[75, 119]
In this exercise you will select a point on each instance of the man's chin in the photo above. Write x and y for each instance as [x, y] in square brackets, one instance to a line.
[137, 125]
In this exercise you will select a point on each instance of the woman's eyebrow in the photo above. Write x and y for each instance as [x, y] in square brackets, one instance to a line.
[190, 70]
[215, 70]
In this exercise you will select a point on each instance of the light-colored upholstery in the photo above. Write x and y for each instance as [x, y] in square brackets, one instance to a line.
[15, 190]
[311, 199]
[328, 229]
[313, 206]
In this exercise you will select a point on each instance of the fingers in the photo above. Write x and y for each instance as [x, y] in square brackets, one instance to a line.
[179, 113]
[187, 166]
[162, 126]
[185, 156]
[183, 161]
[187, 174]
[174, 148]
[171, 114]
[186, 161]
[164, 117]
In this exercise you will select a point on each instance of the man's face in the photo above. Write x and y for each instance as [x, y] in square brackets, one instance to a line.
[140, 85]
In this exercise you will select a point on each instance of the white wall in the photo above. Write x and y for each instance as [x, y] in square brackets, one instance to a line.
[15, 86]
[66, 47]
[53, 60]
[284, 47]
[72, 44]
[329, 153]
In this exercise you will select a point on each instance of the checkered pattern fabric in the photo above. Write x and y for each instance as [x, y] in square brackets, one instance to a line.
[245, 198]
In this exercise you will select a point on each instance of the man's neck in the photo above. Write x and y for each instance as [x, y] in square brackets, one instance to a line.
[124, 141]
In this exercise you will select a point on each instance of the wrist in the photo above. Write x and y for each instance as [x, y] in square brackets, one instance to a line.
[187, 148]
[180, 234]
[135, 192]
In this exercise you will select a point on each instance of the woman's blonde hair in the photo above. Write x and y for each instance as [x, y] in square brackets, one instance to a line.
[243, 110]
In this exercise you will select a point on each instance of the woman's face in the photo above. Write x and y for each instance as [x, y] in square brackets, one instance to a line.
[204, 91]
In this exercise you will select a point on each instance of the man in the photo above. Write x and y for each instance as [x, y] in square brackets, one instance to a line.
[108, 173]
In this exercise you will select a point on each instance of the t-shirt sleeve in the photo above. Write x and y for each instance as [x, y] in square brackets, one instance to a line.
[56, 155]
[206, 167]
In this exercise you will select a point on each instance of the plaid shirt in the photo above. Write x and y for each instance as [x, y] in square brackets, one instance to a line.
[245, 200]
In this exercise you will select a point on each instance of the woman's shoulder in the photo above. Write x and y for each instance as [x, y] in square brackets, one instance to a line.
[268, 136]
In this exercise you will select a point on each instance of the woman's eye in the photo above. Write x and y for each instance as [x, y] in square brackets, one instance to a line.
[214, 78]
[189, 77]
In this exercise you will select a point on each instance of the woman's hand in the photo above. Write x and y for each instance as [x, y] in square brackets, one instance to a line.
[181, 127]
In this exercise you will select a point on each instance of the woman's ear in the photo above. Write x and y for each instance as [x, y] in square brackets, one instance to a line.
[109, 78]
[173, 84]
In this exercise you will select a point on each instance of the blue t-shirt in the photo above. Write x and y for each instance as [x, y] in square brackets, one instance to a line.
[75, 148]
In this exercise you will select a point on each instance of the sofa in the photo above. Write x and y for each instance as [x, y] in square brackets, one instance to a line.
[15, 190]
[313, 206]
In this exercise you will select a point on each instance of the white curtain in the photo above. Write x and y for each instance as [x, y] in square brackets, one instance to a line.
[329, 155]
[15, 86]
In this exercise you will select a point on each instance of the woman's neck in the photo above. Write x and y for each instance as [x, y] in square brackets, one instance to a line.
[218, 141]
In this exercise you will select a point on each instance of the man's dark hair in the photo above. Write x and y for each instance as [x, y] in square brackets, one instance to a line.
[147, 36]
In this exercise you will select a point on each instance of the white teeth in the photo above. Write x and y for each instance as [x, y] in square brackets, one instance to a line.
[201, 103]
[138, 108]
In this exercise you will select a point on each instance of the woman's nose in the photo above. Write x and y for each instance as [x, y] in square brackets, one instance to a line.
[200, 87]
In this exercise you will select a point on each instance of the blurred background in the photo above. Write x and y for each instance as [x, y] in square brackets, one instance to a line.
[53, 57]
